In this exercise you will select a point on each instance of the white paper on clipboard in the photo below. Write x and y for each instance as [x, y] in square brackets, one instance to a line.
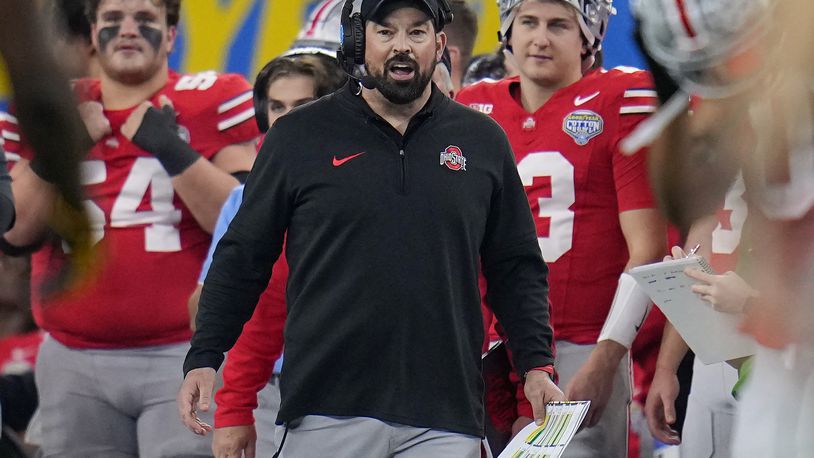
[712, 335]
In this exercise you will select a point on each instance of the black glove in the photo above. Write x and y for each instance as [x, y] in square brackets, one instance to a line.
[158, 135]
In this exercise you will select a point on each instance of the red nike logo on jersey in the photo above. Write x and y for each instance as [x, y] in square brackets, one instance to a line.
[338, 162]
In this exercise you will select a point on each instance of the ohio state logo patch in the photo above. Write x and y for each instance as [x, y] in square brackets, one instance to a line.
[583, 125]
[453, 158]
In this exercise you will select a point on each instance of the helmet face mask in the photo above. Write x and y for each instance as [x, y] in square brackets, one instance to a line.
[593, 16]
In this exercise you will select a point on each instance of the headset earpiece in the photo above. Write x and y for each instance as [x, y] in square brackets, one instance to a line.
[358, 27]
[353, 38]
[445, 15]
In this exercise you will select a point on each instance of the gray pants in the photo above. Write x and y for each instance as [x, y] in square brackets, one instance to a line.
[608, 438]
[113, 403]
[354, 437]
[268, 404]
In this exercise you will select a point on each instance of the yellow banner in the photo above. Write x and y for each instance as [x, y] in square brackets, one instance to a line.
[242, 35]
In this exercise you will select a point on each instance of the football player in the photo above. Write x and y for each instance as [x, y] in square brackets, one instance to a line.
[593, 208]
[711, 407]
[759, 98]
[165, 146]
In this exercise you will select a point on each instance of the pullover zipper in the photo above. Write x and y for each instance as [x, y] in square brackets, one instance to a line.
[403, 158]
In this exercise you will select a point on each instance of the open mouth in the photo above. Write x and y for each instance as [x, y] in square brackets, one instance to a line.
[402, 71]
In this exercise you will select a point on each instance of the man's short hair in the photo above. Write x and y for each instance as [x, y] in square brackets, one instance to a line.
[173, 10]
[463, 30]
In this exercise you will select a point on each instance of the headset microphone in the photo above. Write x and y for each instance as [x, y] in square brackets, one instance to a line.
[368, 82]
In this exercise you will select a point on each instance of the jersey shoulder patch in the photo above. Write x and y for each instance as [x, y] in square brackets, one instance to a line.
[635, 88]
[10, 136]
[227, 96]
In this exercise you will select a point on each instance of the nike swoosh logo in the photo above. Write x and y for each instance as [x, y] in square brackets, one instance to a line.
[338, 162]
[641, 323]
[579, 100]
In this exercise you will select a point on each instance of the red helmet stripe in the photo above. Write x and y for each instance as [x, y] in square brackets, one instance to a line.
[317, 17]
[685, 18]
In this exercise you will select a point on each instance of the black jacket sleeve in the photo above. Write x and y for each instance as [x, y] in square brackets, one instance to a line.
[516, 275]
[243, 260]
[6, 199]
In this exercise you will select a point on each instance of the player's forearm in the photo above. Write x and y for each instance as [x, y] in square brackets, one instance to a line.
[650, 249]
[204, 188]
[607, 354]
[645, 232]
[673, 349]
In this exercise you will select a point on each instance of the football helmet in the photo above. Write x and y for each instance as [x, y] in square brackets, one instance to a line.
[593, 18]
[708, 46]
[321, 32]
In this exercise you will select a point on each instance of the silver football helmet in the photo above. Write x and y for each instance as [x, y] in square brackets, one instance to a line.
[593, 18]
[321, 32]
[693, 39]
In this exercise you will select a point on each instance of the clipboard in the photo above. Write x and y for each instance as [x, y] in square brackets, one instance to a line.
[712, 335]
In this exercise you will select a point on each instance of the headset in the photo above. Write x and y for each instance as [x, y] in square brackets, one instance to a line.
[352, 48]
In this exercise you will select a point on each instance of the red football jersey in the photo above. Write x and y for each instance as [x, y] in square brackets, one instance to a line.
[10, 138]
[18, 352]
[577, 182]
[727, 234]
[150, 246]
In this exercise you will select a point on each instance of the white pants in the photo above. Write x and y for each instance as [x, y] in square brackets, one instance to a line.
[775, 417]
[710, 412]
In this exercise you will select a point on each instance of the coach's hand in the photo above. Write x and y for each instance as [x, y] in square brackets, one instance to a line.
[234, 442]
[540, 390]
[196, 389]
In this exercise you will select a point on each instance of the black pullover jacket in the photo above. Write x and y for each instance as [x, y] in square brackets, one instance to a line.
[384, 238]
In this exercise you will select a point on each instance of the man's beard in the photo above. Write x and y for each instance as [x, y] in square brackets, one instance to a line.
[400, 92]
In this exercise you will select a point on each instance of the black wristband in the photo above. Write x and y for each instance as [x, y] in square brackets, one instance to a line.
[158, 135]
[16, 251]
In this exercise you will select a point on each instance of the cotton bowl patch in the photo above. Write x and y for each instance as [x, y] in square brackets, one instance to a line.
[583, 125]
